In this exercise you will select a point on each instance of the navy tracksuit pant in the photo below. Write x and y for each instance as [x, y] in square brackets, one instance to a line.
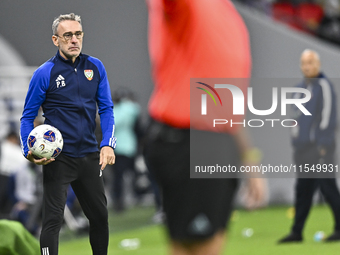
[308, 183]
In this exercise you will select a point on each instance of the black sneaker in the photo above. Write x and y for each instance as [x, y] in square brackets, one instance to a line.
[333, 237]
[292, 237]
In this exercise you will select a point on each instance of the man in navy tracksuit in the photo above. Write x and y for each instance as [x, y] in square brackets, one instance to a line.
[69, 87]
[313, 140]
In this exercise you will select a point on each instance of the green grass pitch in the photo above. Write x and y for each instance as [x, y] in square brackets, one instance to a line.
[268, 225]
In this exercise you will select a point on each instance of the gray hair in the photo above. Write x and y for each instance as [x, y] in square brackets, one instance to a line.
[63, 17]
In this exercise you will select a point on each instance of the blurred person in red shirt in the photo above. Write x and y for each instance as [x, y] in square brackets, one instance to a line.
[194, 39]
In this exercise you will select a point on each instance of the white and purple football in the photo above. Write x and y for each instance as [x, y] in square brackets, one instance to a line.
[45, 141]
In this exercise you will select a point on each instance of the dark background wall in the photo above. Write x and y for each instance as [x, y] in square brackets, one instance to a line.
[115, 32]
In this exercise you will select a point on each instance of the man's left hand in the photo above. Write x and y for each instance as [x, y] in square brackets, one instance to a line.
[107, 157]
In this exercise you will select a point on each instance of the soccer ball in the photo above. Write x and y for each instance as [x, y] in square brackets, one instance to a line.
[45, 141]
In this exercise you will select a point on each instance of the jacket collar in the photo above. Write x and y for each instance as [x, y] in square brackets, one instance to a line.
[321, 75]
[313, 81]
[68, 60]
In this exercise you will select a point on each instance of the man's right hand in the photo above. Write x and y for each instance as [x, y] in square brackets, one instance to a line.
[42, 161]
[255, 193]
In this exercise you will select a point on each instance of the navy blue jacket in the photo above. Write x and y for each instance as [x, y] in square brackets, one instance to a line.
[318, 128]
[69, 94]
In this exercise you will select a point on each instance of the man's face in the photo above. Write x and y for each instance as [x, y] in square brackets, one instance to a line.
[71, 48]
[310, 65]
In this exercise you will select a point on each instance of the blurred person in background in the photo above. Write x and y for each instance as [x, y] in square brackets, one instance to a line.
[159, 217]
[313, 142]
[18, 183]
[22, 192]
[11, 161]
[127, 113]
[188, 39]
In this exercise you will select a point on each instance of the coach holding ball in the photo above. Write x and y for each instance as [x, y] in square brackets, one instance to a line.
[69, 87]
